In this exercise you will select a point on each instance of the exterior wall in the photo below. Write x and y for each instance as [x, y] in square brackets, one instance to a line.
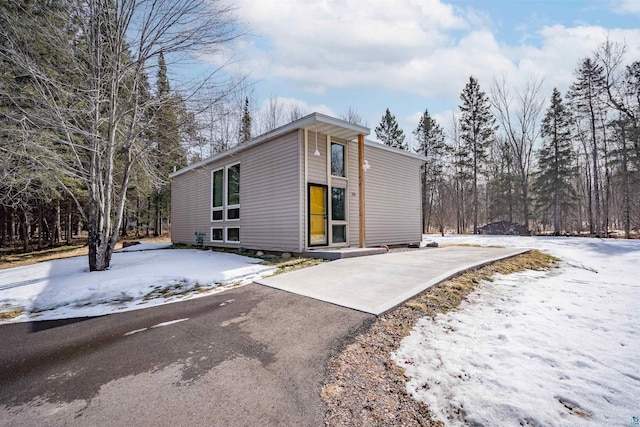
[317, 172]
[269, 198]
[392, 197]
[191, 205]
[270, 195]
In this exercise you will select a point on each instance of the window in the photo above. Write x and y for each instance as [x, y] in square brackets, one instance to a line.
[338, 208]
[339, 233]
[216, 234]
[217, 197]
[233, 192]
[337, 160]
[233, 234]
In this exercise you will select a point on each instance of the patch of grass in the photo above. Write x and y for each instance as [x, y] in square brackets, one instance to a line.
[291, 264]
[11, 314]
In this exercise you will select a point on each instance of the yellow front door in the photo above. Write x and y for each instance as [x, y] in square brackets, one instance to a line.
[317, 215]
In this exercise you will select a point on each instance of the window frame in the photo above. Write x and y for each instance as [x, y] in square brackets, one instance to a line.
[226, 235]
[227, 206]
[211, 235]
[221, 207]
[344, 159]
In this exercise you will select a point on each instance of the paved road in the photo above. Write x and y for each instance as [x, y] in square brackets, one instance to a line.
[249, 356]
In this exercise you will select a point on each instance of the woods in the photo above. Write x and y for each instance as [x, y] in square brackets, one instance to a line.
[94, 118]
[81, 121]
[570, 168]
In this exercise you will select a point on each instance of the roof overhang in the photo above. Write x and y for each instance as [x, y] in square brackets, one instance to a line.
[315, 122]
[327, 125]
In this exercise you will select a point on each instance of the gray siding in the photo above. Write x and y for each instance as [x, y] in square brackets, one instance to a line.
[191, 205]
[393, 201]
[269, 198]
[270, 195]
[317, 164]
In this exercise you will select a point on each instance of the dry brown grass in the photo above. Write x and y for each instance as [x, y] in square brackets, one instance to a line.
[365, 387]
[60, 252]
[11, 314]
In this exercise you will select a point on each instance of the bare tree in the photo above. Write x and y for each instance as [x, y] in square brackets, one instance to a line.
[353, 116]
[100, 120]
[519, 118]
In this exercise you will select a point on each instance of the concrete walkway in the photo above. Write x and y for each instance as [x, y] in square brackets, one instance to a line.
[377, 283]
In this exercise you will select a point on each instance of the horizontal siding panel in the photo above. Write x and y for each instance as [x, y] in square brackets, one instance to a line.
[270, 191]
[393, 200]
[317, 164]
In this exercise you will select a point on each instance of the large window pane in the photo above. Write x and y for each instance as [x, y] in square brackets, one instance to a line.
[337, 159]
[339, 233]
[233, 185]
[216, 234]
[233, 234]
[217, 188]
[338, 207]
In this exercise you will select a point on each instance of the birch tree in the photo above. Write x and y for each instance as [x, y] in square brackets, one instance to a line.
[99, 121]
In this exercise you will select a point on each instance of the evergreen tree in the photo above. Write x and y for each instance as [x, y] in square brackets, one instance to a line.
[245, 122]
[553, 181]
[477, 131]
[585, 94]
[389, 133]
[430, 137]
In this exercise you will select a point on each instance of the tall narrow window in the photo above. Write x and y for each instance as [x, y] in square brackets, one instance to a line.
[338, 210]
[233, 192]
[217, 194]
[337, 160]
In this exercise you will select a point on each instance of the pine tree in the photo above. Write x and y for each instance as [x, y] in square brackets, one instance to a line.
[430, 137]
[478, 127]
[553, 181]
[245, 122]
[389, 133]
[585, 94]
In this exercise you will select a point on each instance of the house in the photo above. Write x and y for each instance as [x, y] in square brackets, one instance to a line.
[313, 183]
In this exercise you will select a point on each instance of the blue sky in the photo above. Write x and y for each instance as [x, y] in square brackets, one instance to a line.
[409, 56]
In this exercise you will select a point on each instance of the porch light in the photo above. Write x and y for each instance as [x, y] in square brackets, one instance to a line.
[316, 153]
[366, 166]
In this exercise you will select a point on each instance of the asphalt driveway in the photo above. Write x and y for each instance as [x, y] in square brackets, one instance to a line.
[248, 356]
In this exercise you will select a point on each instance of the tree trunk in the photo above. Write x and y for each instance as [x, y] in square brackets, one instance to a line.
[24, 231]
[69, 222]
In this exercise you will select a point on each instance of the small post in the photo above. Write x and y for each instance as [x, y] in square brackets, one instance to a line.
[361, 203]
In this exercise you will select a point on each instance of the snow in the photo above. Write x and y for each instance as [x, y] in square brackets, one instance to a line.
[550, 348]
[140, 276]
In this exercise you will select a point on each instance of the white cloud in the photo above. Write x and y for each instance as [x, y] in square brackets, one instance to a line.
[627, 6]
[426, 48]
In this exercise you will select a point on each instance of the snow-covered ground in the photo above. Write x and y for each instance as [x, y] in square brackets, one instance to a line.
[140, 276]
[558, 348]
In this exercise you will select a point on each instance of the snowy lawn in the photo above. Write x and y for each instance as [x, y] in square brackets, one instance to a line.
[140, 276]
[560, 348]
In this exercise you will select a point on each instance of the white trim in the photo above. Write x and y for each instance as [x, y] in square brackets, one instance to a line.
[226, 235]
[211, 239]
[216, 208]
[345, 159]
[227, 207]
[381, 146]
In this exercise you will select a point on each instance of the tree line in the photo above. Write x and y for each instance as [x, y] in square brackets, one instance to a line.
[572, 168]
[91, 124]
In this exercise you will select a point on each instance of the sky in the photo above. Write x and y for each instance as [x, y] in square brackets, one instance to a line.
[412, 55]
